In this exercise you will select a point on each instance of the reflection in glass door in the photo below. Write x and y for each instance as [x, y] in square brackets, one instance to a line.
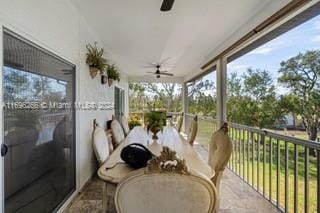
[38, 91]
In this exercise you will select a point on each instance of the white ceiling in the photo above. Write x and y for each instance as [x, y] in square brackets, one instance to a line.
[135, 32]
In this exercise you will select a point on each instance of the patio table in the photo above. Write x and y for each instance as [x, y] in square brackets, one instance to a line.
[114, 169]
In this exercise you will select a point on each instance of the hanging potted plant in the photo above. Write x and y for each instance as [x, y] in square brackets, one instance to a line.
[97, 63]
[113, 74]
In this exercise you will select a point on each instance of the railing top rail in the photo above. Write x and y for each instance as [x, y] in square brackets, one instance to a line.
[202, 117]
[294, 140]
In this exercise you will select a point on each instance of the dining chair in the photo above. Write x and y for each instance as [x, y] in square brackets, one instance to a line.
[100, 143]
[125, 125]
[166, 185]
[220, 149]
[192, 134]
[117, 132]
[179, 123]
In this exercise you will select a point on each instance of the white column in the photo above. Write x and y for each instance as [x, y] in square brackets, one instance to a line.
[184, 103]
[221, 91]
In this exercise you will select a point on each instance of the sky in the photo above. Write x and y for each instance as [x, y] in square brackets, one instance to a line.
[268, 56]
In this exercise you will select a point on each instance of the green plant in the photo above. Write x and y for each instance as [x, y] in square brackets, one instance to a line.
[113, 73]
[154, 121]
[95, 58]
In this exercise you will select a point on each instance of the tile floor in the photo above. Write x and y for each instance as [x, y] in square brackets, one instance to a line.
[236, 196]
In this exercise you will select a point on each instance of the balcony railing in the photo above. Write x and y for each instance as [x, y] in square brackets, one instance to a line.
[279, 167]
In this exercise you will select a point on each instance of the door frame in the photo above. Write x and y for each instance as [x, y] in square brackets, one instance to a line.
[5, 25]
[1, 121]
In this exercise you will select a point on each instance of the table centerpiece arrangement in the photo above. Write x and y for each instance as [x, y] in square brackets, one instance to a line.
[154, 121]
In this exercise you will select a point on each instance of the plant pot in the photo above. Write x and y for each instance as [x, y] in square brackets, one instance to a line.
[110, 81]
[93, 72]
[104, 79]
[154, 136]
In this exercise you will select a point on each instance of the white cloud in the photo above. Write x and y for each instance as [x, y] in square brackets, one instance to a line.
[240, 66]
[261, 51]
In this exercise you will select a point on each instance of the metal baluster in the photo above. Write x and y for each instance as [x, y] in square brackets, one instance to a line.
[243, 151]
[258, 161]
[286, 195]
[237, 153]
[248, 156]
[264, 164]
[270, 168]
[296, 177]
[278, 173]
[232, 136]
[318, 180]
[306, 179]
[253, 157]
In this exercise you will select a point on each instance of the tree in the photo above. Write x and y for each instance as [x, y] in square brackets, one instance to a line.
[300, 74]
[155, 95]
[252, 99]
[201, 97]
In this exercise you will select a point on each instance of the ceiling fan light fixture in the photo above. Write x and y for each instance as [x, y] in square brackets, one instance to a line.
[166, 5]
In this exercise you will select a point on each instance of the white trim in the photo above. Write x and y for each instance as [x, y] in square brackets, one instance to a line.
[200, 72]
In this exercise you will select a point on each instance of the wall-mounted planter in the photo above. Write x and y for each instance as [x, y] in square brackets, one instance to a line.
[110, 81]
[93, 72]
[104, 79]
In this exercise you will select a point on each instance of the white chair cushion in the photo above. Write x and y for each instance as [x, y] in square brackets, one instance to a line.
[164, 193]
[117, 132]
[100, 145]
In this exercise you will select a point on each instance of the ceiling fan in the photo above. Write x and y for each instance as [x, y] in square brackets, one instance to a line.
[166, 5]
[158, 72]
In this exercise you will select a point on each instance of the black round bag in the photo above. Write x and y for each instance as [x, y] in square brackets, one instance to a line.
[136, 155]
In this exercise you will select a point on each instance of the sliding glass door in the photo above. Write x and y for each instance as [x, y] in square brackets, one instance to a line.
[38, 94]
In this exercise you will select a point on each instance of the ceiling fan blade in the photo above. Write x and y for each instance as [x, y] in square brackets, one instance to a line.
[151, 72]
[169, 74]
[166, 5]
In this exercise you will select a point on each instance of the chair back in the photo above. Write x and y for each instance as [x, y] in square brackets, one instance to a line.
[165, 186]
[179, 124]
[125, 125]
[192, 134]
[100, 144]
[117, 132]
[220, 149]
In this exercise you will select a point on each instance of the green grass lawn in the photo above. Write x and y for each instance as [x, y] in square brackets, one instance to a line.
[247, 166]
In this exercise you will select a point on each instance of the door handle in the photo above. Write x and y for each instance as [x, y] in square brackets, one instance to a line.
[4, 149]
